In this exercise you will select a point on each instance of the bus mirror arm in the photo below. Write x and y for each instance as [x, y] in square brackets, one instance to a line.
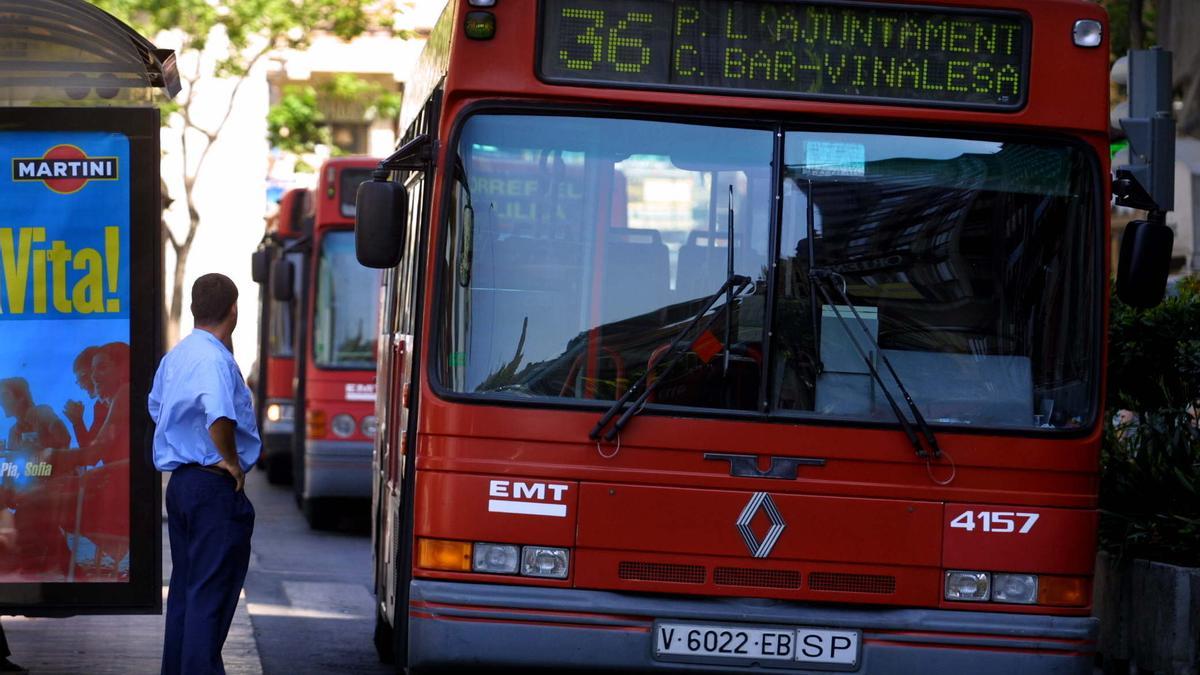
[382, 205]
[417, 154]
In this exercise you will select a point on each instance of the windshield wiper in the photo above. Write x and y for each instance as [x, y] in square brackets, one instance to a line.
[816, 278]
[734, 285]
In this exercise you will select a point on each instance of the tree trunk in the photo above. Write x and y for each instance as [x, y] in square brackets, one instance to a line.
[1137, 29]
[175, 309]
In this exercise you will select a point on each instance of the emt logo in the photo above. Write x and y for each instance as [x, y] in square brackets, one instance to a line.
[527, 498]
[65, 169]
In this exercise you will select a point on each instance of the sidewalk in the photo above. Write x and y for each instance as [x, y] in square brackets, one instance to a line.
[116, 645]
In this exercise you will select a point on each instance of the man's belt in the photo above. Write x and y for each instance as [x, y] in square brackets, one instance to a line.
[210, 469]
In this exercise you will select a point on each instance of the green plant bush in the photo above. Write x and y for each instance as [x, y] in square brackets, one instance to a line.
[1150, 463]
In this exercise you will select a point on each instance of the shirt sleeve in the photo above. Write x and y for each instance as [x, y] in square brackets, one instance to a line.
[154, 402]
[216, 394]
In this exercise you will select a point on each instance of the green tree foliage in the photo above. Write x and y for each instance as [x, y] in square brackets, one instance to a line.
[252, 30]
[1131, 25]
[296, 124]
[1150, 484]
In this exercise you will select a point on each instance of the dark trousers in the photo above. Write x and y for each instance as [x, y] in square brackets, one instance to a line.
[4, 652]
[210, 526]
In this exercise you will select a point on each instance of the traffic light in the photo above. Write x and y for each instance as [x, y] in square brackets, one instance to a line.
[1148, 180]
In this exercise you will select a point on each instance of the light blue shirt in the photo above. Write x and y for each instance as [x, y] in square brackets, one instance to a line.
[197, 383]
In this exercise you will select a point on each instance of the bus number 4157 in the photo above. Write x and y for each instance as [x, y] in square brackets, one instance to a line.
[995, 521]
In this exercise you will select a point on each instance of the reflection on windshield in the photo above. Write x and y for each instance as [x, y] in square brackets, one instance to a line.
[594, 241]
[971, 263]
[348, 184]
[346, 312]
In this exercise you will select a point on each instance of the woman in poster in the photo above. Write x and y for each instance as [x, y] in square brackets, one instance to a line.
[74, 410]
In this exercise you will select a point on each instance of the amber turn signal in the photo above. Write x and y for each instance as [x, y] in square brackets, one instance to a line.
[315, 423]
[1063, 591]
[439, 554]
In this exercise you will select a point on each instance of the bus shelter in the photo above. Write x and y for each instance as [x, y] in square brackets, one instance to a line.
[80, 309]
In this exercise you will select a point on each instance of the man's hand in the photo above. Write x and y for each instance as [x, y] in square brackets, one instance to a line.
[235, 469]
[222, 436]
[74, 411]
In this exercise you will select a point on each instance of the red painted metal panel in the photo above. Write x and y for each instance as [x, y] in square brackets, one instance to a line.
[327, 201]
[487, 508]
[1060, 541]
[287, 225]
[600, 568]
[279, 377]
[661, 450]
[704, 522]
[334, 395]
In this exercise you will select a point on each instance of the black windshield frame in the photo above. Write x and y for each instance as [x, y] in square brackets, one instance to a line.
[444, 279]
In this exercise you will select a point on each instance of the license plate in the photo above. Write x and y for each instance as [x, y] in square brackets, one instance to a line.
[777, 646]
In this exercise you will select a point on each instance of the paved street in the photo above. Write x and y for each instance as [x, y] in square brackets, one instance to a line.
[308, 593]
[306, 608]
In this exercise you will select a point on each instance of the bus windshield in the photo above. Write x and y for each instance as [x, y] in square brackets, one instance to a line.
[346, 313]
[579, 248]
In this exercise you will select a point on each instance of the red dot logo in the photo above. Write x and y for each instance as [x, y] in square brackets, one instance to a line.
[65, 186]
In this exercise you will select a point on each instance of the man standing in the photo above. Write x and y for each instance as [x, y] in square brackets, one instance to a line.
[207, 438]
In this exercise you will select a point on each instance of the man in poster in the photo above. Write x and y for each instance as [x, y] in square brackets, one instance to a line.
[207, 437]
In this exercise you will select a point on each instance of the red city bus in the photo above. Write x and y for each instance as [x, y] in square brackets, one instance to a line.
[335, 344]
[276, 359]
[724, 335]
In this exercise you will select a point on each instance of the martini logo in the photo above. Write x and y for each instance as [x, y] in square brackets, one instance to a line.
[65, 169]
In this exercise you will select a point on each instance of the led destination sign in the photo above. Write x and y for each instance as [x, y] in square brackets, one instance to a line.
[967, 59]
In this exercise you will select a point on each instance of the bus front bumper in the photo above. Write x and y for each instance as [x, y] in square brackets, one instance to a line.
[277, 438]
[462, 625]
[337, 469]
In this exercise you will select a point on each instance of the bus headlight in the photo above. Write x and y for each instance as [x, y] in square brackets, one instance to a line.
[544, 561]
[1021, 589]
[343, 425]
[968, 586]
[369, 426]
[496, 558]
[279, 411]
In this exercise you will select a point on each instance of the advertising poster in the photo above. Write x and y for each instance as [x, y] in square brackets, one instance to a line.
[65, 404]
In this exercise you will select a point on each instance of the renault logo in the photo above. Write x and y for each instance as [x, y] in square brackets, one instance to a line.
[761, 500]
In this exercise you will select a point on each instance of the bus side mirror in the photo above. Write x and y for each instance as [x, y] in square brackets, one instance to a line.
[1144, 263]
[283, 278]
[381, 209]
[260, 265]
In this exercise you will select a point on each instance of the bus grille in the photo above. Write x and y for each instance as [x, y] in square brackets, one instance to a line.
[740, 576]
[852, 583]
[668, 572]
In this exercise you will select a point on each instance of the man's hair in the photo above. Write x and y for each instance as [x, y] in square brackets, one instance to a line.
[213, 296]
